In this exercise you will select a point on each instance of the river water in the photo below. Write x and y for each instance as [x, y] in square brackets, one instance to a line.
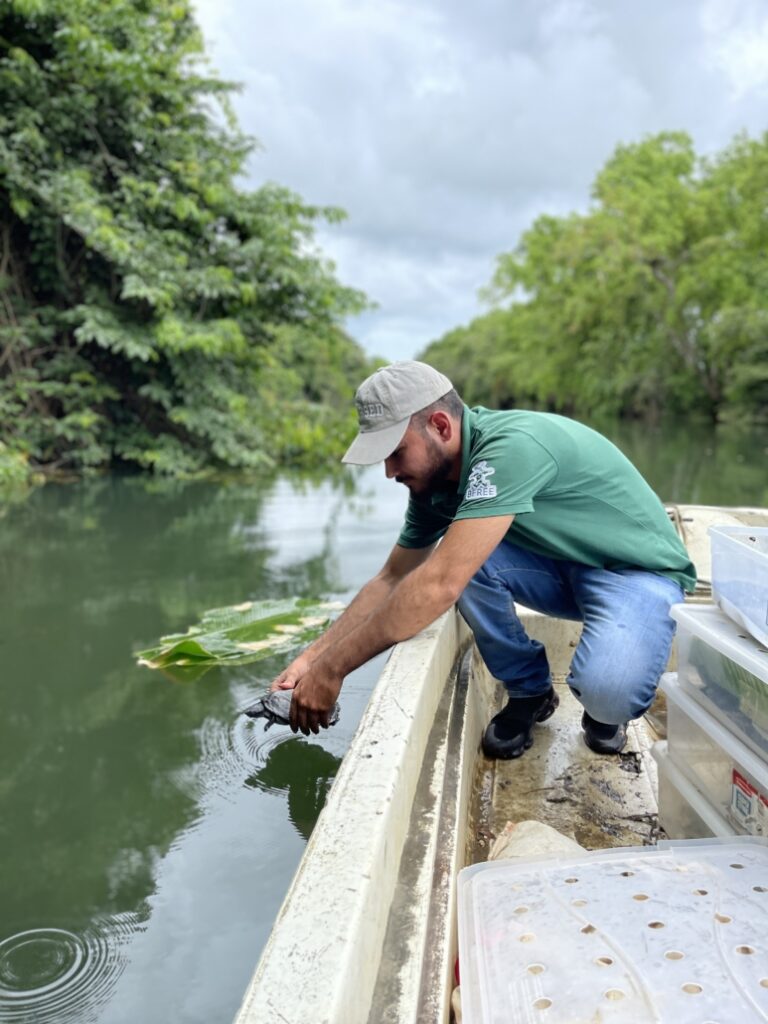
[149, 832]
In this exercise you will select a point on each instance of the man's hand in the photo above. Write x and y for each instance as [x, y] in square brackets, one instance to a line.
[313, 697]
[290, 676]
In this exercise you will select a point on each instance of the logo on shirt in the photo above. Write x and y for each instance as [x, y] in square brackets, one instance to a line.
[477, 485]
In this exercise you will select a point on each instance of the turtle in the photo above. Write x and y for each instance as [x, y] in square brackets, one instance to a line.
[276, 708]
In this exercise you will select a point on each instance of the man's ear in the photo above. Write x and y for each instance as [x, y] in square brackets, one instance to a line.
[442, 424]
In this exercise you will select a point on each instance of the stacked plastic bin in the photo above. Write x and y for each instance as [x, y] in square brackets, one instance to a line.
[713, 767]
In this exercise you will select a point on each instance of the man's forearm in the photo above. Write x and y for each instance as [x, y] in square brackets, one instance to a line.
[415, 602]
[375, 592]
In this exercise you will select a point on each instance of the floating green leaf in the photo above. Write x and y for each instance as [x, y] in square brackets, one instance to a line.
[241, 634]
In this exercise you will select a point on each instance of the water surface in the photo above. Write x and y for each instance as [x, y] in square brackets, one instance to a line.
[149, 832]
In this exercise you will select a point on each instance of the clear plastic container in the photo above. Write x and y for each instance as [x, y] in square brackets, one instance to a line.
[675, 934]
[683, 812]
[740, 575]
[724, 770]
[725, 670]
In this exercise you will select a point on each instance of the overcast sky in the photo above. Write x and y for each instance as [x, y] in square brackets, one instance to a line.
[444, 127]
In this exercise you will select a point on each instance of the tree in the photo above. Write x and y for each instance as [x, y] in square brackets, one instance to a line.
[147, 298]
[656, 297]
[486, 359]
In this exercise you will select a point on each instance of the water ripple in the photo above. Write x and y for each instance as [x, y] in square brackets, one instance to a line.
[231, 751]
[54, 976]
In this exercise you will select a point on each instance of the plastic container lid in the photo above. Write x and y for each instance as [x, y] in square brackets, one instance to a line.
[676, 933]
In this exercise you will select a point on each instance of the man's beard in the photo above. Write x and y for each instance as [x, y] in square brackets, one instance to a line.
[434, 476]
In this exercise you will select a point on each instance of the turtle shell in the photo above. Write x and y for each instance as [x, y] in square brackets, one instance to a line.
[275, 707]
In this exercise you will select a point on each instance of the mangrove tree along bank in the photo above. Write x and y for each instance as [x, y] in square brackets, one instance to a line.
[656, 297]
[152, 311]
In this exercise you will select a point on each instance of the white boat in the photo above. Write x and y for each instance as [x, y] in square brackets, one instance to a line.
[367, 932]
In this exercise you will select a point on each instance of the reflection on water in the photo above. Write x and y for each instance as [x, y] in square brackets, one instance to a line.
[694, 464]
[305, 775]
[148, 829]
[228, 753]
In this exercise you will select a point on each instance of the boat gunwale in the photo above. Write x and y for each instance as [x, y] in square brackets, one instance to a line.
[327, 937]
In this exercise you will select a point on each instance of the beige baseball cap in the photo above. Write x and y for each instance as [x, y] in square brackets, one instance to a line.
[385, 403]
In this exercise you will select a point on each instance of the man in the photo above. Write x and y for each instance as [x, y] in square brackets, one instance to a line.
[528, 507]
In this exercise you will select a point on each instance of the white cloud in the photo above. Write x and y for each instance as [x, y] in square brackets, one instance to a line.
[444, 128]
[737, 36]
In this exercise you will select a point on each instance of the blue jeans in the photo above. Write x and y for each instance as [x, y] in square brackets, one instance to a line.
[625, 641]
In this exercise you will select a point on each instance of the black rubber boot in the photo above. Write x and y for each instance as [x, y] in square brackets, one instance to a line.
[603, 739]
[510, 733]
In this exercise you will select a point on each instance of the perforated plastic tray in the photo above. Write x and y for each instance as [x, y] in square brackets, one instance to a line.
[676, 933]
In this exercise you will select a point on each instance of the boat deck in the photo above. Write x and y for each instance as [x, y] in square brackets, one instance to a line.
[599, 801]
[596, 800]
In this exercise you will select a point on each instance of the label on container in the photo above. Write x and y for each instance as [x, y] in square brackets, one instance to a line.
[749, 807]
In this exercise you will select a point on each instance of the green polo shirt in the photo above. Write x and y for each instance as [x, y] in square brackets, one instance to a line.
[572, 492]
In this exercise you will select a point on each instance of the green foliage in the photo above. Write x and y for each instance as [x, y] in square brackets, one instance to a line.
[655, 298]
[151, 310]
[13, 469]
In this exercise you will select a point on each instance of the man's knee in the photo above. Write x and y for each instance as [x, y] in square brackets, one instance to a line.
[611, 698]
